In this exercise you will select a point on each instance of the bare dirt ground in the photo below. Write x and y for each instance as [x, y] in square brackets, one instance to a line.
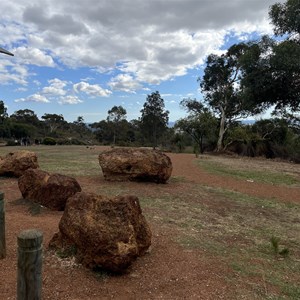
[168, 271]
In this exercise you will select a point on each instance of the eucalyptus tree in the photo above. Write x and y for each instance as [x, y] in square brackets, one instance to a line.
[200, 123]
[272, 68]
[222, 91]
[116, 115]
[53, 121]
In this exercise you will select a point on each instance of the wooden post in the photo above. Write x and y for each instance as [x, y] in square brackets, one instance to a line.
[2, 227]
[29, 285]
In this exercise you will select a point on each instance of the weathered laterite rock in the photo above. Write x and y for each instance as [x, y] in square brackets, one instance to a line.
[14, 164]
[49, 190]
[106, 233]
[135, 164]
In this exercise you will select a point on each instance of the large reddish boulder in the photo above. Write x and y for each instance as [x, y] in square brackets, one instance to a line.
[49, 190]
[136, 164]
[15, 163]
[106, 233]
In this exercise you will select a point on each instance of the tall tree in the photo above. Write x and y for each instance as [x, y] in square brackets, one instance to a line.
[154, 120]
[26, 116]
[80, 126]
[3, 112]
[53, 121]
[272, 69]
[115, 115]
[200, 124]
[221, 88]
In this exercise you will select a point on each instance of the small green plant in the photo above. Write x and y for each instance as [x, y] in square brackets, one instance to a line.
[67, 252]
[101, 274]
[275, 245]
[34, 208]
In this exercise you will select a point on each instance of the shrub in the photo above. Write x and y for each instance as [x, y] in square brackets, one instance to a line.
[12, 143]
[49, 141]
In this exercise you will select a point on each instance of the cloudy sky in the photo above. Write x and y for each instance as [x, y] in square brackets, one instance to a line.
[80, 58]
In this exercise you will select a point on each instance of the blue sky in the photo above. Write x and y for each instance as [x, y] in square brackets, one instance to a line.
[80, 58]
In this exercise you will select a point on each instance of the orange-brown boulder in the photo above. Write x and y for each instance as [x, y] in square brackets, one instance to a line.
[106, 233]
[49, 190]
[135, 164]
[14, 164]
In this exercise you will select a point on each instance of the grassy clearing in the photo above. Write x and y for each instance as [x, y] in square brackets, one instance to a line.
[67, 160]
[236, 229]
[231, 227]
[271, 177]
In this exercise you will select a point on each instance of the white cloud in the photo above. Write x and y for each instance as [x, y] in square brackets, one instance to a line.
[33, 56]
[93, 90]
[148, 41]
[125, 83]
[10, 72]
[56, 87]
[70, 99]
[34, 98]
[21, 89]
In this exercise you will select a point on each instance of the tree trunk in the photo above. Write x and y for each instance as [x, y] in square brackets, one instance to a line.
[220, 143]
[154, 136]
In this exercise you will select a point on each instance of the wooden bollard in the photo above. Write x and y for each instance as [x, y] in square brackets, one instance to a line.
[2, 227]
[29, 285]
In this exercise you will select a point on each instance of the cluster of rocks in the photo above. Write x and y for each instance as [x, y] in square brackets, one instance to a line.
[102, 232]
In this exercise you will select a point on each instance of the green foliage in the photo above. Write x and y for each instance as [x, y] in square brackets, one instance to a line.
[53, 121]
[3, 112]
[154, 120]
[26, 116]
[70, 142]
[49, 141]
[200, 124]
[67, 252]
[123, 134]
[222, 90]
[22, 130]
[116, 115]
[284, 252]
[271, 70]
[285, 18]
[12, 143]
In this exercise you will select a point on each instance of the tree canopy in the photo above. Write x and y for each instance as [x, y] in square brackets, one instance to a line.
[221, 87]
[285, 18]
[154, 120]
[200, 124]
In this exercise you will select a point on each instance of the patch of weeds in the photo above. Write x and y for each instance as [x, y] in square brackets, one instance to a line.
[67, 252]
[175, 179]
[101, 274]
[34, 208]
[19, 201]
[283, 252]
[292, 291]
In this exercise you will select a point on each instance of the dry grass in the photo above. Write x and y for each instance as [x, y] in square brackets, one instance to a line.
[230, 227]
